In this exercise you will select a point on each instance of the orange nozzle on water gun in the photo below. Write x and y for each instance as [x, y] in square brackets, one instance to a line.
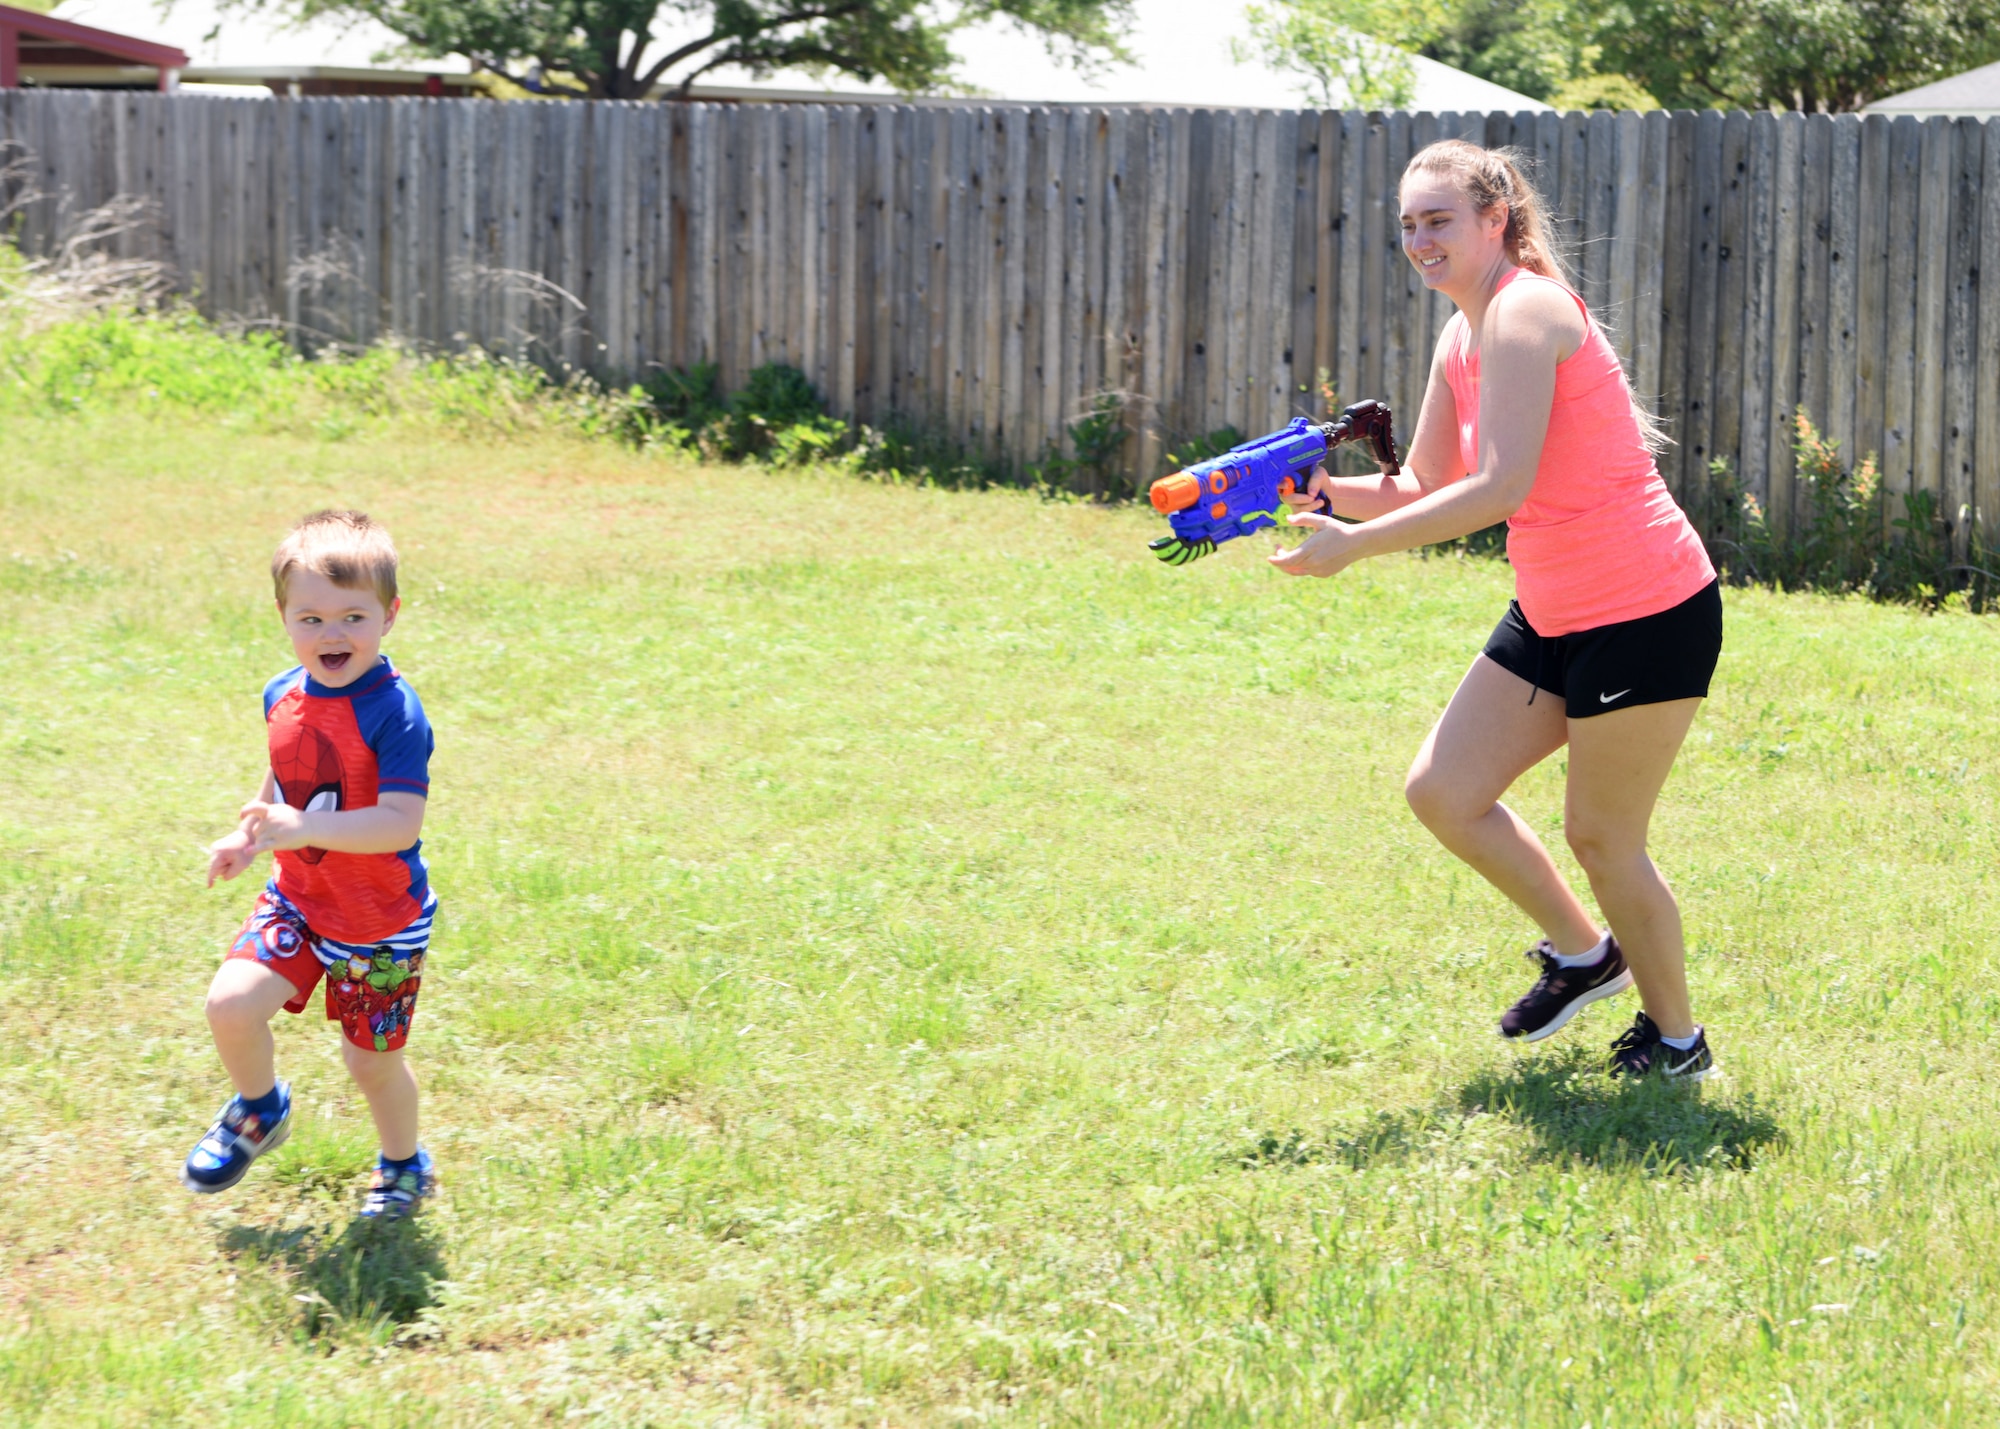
[1175, 493]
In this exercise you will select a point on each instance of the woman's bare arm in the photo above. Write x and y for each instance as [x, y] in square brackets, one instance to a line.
[1527, 331]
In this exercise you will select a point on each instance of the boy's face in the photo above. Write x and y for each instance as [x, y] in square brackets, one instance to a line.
[336, 631]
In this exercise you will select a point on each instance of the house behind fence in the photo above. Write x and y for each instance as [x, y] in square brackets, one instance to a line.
[991, 271]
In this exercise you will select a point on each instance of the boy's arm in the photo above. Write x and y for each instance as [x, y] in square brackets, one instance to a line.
[389, 826]
[232, 854]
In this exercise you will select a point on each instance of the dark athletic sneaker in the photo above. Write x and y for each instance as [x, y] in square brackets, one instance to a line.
[1641, 1053]
[1560, 992]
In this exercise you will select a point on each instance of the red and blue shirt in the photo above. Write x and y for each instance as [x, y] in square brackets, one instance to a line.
[343, 749]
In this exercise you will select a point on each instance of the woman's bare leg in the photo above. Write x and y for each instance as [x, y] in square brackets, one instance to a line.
[1487, 737]
[1618, 763]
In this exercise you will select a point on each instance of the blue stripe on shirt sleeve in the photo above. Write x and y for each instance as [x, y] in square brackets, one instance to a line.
[393, 724]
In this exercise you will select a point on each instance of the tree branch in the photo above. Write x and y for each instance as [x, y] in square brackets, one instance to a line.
[644, 86]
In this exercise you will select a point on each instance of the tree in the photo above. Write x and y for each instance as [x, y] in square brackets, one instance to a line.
[1348, 52]
[1356, 51]
[1533, 47]
[606, 49]
[1828, 56]
[1814, 55]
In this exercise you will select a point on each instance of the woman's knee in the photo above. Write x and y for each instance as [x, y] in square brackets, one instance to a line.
[1431, 797]
[1601, 849]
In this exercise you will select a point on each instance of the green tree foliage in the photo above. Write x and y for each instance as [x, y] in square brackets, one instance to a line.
[1346, 52]
[607, 49]
[1531, 46]
[1816, 55]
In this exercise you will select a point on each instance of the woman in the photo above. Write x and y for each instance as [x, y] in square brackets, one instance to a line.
[1617, 622]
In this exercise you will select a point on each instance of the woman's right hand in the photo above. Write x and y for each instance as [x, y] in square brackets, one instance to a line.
[1310, 498]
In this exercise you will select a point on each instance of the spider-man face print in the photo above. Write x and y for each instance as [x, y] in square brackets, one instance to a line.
[310, 775]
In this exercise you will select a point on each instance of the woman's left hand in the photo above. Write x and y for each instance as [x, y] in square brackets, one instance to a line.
[1330, 549]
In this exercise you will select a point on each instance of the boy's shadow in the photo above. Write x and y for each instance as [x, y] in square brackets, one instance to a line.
[381, 1273]
[1576, 1112]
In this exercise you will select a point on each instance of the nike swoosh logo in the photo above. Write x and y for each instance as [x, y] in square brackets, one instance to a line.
[1607, 699]
[1673, 1071]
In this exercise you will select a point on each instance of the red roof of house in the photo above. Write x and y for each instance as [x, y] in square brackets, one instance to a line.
[42, 40]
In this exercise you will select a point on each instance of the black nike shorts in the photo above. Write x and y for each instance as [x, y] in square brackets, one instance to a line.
[1648, 661]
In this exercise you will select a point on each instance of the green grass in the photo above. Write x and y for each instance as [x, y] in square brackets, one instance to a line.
[907, 958]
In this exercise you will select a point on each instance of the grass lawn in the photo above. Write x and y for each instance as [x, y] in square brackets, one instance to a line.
[908, 958]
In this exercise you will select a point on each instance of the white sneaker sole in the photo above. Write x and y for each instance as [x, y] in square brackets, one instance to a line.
[1690, 1079]
[1596, 994]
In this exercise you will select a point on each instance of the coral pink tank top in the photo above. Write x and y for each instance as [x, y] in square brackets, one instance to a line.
[1599, 539]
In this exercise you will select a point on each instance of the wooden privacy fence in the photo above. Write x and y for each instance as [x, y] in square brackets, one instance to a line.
[988, 270]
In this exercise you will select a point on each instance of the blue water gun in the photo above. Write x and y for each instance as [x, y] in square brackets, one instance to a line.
[1243, 490]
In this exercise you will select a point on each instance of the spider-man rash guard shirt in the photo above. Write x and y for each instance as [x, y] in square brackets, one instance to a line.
[344, 749]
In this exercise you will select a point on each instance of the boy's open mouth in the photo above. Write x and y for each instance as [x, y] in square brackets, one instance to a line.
[335, 661]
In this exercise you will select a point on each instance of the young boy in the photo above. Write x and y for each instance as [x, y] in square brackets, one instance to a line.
[340, 809]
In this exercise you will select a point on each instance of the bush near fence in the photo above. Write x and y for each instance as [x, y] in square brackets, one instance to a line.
[70, 349]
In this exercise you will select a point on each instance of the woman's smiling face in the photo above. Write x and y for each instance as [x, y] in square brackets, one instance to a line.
[1445, 240]
[336, 630]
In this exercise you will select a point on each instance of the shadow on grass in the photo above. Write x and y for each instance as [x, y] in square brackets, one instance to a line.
[1575, 1111]
[372, 1275]
[1571, 1109]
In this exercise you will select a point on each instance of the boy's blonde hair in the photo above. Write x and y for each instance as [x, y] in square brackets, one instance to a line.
[346, 547]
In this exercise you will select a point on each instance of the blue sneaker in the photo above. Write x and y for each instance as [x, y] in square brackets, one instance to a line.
[239, 1136]
[398, 1192]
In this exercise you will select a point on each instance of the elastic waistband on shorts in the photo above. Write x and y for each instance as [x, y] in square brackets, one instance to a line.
[414, 937]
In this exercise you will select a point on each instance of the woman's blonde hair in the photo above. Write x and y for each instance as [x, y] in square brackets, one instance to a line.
[1488, 177]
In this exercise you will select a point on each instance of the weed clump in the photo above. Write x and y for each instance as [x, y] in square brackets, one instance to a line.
[1847, 535]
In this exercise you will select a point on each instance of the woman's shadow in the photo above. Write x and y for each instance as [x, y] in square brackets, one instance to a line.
[371, 1274]
[1573, 1112]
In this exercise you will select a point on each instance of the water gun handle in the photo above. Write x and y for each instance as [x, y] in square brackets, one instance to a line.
[1322, 505]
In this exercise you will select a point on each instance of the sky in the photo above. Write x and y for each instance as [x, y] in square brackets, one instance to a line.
[1181, 48]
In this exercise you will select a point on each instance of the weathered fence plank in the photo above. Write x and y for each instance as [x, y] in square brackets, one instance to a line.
[1957, 424]
[1933, 235]
[1986, 372]
[1781, 338]
[1906, 229]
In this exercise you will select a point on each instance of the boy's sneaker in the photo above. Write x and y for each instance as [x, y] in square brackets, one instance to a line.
[239, 1136]
[1639, 1052]
[1560, 992]
[398, 1191]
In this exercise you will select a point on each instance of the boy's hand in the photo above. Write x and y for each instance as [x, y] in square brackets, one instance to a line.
[271, 827]
[229, 855]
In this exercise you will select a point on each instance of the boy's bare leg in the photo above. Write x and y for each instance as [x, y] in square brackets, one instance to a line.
[243, 997]
[391, 1088]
